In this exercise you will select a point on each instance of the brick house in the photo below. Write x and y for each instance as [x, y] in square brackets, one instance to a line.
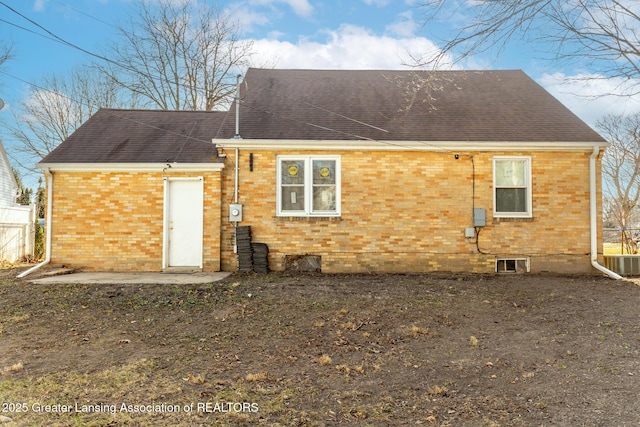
[397, 171]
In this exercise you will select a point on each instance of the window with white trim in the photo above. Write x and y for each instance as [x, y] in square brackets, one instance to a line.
[512, 187]
[308, 186]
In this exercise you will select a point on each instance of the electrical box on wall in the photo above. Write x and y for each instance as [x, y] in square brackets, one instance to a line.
[479, 217]
[235, 213]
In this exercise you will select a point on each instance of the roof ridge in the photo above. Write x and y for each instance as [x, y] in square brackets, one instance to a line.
[151, 110]
[368, 70]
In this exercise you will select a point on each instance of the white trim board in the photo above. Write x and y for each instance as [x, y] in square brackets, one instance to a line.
[132, 167]
[436, 146]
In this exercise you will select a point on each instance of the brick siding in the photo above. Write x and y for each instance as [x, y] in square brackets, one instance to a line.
[113, 221]
[407, 211]
[401, 212]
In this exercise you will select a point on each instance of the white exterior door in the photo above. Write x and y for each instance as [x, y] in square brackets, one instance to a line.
[183, 232]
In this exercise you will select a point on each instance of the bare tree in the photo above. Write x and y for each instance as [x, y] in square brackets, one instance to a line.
[178, 56]
[56, 108]
[5, 54]
[621, 168]
[601, 34]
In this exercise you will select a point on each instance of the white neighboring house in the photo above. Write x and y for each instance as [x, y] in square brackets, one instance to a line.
[17, 229]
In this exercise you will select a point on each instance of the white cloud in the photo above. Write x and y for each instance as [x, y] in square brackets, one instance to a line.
[405, 26]
[248, 18]
[349, 47]
[300, 7]
[378, 3]
[589, 96]
[38, 5]
[257, 13]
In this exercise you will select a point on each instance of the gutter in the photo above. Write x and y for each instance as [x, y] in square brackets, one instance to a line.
[593, 216]
[395, 145]
[47, 259]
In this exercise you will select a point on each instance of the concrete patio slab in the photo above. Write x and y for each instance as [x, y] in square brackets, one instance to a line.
[133, 278]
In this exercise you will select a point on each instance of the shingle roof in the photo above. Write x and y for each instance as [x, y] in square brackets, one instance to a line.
[351, 105]
[141, 136]
[477, 106]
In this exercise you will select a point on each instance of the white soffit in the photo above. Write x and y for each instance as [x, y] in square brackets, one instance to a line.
[444, 146]
[132, 167]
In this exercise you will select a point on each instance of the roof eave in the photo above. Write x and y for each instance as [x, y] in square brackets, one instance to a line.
[381, 145]
[131, 167]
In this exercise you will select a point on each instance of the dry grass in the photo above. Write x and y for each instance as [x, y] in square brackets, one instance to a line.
[325, 359]
[417, 330]
[436, 390]
[321, 350]
[20, 318]
[16, 367]
[123, 384]
[196, 379]
[257, 377]
[343, 368]
[611, 248]
[614, 249]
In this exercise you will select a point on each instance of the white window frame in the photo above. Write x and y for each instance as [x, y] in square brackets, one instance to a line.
[308, 186]
[517, 262]
[528, 188]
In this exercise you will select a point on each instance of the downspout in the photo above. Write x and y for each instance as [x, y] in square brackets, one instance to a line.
[48, 224]
[237, 136]
[235, 189]
[235, 200]
[237, 169]
[593, 216]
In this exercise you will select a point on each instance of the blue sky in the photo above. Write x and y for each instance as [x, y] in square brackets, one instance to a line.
[329, 34]
[374, 34]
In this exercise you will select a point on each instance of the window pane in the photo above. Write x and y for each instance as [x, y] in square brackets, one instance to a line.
[511, 200]
[510, 173]
[292, 198]
[292, 172]
[324, 172]
[324, 198]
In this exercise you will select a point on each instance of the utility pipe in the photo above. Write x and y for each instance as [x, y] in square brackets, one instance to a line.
[48, 224]
[237, 169]
[237, 160]
[593, 216]
[235, 200]
[237, 135]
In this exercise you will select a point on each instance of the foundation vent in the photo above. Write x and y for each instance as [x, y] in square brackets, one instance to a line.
[512, 265]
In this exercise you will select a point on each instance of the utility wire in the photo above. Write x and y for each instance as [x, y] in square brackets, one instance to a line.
[86, 14]
[28, 30]
[111, 110]
[54, 37]
[63, 41]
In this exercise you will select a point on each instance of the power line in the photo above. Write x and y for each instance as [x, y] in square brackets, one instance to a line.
[95, 106]
[54, 37]
[86, 14]
[296, 101]
[60, 40]
[28, 30]
[385, 142]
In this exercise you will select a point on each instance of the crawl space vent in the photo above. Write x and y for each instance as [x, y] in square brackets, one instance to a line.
[512, 265]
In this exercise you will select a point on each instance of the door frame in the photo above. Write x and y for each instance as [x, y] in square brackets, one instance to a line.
[166, 220]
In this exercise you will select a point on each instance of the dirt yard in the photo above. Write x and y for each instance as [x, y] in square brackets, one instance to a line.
[323, 350]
